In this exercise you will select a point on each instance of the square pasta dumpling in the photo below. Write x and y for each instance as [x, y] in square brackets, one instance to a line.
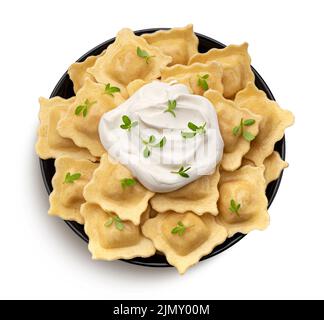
[68, 182]
[106, 189]
[197, 77]
[78, 71]
[179, 43]
[235, 61]
[81, 120]
[129, 58]
[242, 201]
[184, 238]
[135, 85]
[49, 143]
[272, 126]
[236, 144]
[110, 238]
[199, 197]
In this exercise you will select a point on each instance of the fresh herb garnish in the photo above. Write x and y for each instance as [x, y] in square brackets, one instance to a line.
[179, 229]
[195, 130]
[150, 143]
[117, 221]
[127, 182]
[84, 108]
[234, 207]
[70, 178]
[127, 123]
[239, 130]
[111, 90]
[202, 81]
[143, 54]
[171, 107]
[182, 172]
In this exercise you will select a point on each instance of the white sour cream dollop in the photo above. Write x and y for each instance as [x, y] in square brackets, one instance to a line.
[147, 106]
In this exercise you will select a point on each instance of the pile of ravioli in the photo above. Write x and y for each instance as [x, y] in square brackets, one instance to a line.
[127, 222]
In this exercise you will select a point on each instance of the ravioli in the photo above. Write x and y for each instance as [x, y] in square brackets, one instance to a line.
[184, 249]
[244, 190]
[111, 238]
[273, 167]
[106, 190]
[197, 77]
[78, 71]
[135, 85]
[229, 117]
[121, 63]
[66, 197]
[199, 197]
[82, 127]
[179, 43]
[272, 126]
[49, 143]
[235, 61]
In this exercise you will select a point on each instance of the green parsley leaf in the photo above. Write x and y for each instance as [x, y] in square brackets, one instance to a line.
[239, 130]
[143, 54]
[195, 129]
[234, 207]
[84, 108]
[249, 122]
[150, 144]
[117, 221]
[248, 136]
[202, 81]
[70, 178]
[127, 182]
[161, 144]
[111, 90]
[127, 123]
[179, 229]
[146, 152]
[182, 172]
[151, 139]
[172, 104]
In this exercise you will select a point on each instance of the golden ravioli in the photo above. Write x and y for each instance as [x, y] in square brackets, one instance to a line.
[197, 77]
[199, 197]
[135, 85]
[121, 63]
[82, 118]
[49, 143]
[242, 202]
[68, 182]
[179, 43]
[78, 71]
[235, 61]
[272, 126]
[105, 189]
[112, 239]
[184, 238]
[273, 167]
[229, 117]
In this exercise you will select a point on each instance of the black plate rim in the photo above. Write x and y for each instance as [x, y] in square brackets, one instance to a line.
[230, 241]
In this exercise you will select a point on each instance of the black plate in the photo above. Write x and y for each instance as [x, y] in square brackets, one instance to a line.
[64, 88]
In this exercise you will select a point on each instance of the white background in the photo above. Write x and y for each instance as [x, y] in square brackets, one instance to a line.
[42, 258]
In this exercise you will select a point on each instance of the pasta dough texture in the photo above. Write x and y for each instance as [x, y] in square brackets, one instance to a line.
[229, 117]
[272, 126]
[273, 167]
[179, 43]
[49, 143]
[66, 197]
[182, 250]
[235, 61]
[199, 197]
[246, 188]
[197, 77]
[81, 120]
[108, 241]
[105, 189]
[122, 63]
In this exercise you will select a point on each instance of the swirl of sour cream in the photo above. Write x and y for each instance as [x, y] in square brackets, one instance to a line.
[147, 107]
